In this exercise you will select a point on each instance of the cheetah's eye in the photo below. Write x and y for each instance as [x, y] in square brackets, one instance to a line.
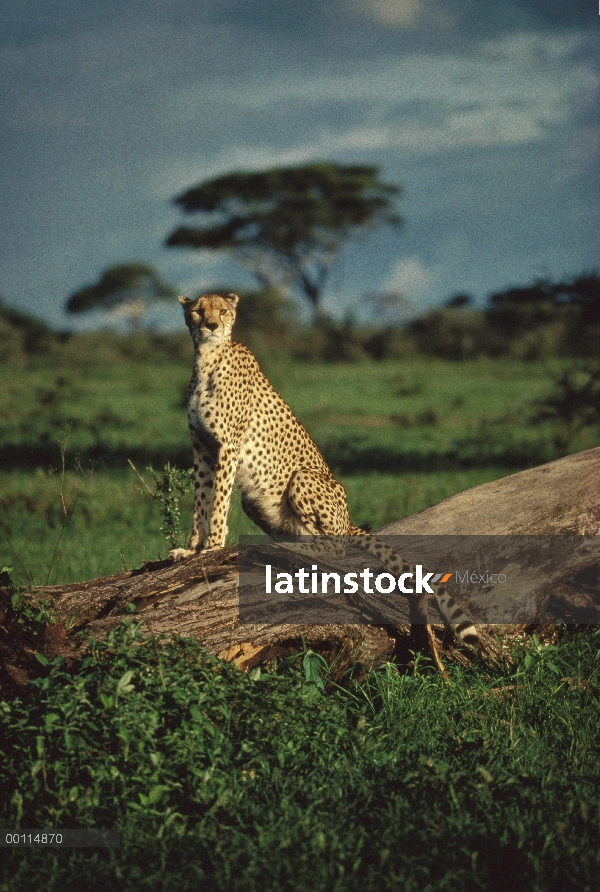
[223, 312]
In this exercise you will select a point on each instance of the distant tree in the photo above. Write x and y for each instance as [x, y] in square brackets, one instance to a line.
[446, 333]
[583, 292]
[126, 289]
[286, 225]
[458, 301]
[390, 308]
[265, 310]
[22, 333]
[32, 329]
[524, 308]
[571, 307]
[574, 404]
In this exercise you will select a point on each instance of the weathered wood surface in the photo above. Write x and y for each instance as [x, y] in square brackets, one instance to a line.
[199, 597]
[196, 598]
[562, 497]
[559, 500]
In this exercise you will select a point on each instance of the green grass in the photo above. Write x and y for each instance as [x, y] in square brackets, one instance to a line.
[137, 409]
[400, 435]
[110, 525]
[456, 391]
[115, 524]
[226, 781]
[134, 409]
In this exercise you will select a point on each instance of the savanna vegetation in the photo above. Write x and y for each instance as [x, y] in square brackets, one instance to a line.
[224, 781]
[284, 778]
[401, 433]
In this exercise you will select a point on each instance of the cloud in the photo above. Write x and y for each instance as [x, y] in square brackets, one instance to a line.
[524, 67]
[469, 17]
[397, 13]
[411, 278]
[508, 91]
[504, 91]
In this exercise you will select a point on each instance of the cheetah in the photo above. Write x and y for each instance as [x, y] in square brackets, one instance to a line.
[243, 431]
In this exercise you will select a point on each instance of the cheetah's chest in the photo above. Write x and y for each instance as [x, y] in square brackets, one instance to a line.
[231, 406]
[213, 410]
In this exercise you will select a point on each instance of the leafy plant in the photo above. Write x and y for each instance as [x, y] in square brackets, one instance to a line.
[6, 580]
[170, 486]
[574, 404]
[68, 501]
[224, 781]
[32, 614]
[538, 658]
[313, 664]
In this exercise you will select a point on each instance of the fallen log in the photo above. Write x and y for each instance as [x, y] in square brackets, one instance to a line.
[199, 597]
[559, 498]
[558, 503]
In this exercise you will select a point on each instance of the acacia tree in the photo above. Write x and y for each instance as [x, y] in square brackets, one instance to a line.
[127, 289]
[286, 225]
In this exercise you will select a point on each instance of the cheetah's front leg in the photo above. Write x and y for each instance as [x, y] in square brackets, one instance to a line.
[224, 479]
[204, 476]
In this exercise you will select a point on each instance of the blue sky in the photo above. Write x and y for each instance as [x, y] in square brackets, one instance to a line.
[485, 114]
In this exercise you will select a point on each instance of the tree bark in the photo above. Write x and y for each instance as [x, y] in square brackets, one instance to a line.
[199, 597]
[562, 497]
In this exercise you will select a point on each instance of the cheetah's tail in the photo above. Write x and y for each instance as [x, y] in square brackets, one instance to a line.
[462, 627]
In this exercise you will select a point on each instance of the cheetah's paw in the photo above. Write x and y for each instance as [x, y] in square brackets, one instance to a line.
[179, 554]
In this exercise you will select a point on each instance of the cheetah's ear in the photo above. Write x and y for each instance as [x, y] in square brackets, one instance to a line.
[185, 301]
[232, 299]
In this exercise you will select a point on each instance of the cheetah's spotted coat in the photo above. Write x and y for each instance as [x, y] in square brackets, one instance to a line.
[243, 431]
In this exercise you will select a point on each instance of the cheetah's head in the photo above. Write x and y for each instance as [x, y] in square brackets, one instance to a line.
[210, 317]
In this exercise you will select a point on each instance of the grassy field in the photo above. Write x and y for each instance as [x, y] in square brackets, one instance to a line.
[400, 436]
[281, 779]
